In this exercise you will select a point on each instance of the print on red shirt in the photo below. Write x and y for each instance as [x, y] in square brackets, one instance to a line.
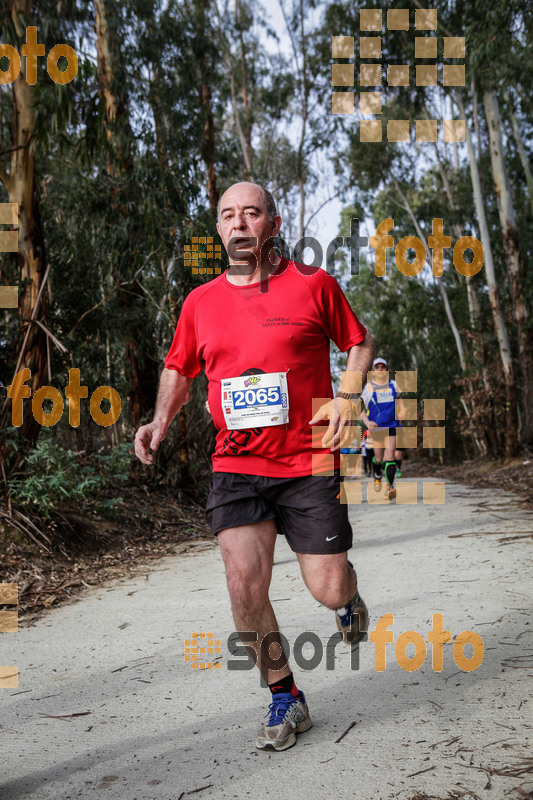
[224, 328]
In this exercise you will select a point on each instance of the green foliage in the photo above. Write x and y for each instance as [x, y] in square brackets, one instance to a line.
[57, 478]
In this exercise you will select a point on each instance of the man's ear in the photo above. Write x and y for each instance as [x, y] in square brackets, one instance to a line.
[276, 224]
[218, 230]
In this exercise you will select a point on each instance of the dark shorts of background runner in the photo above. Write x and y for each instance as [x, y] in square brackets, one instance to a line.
[307, 510]
[392, 431]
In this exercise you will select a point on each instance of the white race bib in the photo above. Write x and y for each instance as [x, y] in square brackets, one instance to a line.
[255, 401]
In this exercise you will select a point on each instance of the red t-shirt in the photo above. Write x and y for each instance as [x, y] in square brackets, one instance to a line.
[228, 330]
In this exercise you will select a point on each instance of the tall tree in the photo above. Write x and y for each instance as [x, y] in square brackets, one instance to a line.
[19, 180]
[513, 258]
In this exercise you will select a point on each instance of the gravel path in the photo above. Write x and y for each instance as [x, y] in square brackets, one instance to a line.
[159, 730]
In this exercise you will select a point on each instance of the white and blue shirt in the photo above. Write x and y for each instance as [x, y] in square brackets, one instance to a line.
[380, 402]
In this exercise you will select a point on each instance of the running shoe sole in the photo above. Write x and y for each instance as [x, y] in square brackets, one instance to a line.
[265, 743]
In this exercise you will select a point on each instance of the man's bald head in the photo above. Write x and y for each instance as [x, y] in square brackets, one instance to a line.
[268, 200]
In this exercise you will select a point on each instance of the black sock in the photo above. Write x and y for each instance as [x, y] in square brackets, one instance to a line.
[390, 471]
[285, 685]
[377, 468]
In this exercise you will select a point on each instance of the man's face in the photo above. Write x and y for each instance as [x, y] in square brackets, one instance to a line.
[381, 371]
[243, 218]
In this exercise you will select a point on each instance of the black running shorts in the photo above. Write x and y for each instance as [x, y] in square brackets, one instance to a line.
[307, 510]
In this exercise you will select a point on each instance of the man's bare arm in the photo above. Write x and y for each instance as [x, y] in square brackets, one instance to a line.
[358, 363]
[172, 395]
[357, 366]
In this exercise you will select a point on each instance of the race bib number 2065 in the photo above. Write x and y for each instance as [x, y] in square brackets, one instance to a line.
[255, 401]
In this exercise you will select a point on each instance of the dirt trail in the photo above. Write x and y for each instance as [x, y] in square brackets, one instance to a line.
[106, 701]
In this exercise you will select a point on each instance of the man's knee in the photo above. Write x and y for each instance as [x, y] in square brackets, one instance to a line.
[333, 590]
[247, 588]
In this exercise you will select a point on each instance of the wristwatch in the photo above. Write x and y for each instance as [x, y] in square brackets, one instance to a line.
[349, 395]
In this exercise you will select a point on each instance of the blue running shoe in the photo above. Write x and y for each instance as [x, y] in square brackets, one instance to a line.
[288, 715]
[352, 621]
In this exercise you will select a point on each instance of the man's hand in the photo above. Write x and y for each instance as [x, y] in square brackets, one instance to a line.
[401, 411]
[149, 437]
[340, 431]
[372, 424]
[172, 395]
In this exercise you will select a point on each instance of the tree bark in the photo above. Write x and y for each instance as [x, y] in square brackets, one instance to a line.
[513, 259]
[20, 185]
[500, 328]
[523, 158]
[142, 372]
[208, 142]
[244, 93]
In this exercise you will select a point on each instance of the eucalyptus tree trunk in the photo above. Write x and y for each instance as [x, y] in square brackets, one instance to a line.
[244, 135]
[453, 325]
[473, 302]
[523, 156]
[299, 47]
[20, 184]
[142, 372]
[489, 441]
[205, 98]
[500, 328]
[513, 259]
[110, 79]
[244, 92]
